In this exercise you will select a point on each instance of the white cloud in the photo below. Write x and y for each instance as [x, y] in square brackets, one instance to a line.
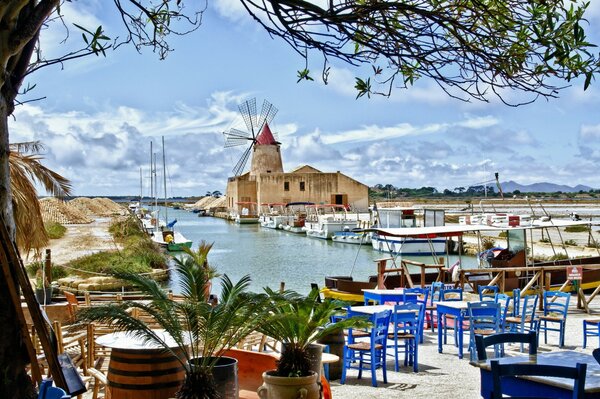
[590, 132]
[481, 122]
[232, 10]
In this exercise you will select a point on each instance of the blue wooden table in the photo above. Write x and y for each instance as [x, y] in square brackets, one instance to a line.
[382, 296]
[547, 386]
[458, 309]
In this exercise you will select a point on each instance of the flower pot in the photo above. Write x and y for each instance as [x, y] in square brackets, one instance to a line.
[225, 374]
[315, 353]
[275, 387]
[41, 293]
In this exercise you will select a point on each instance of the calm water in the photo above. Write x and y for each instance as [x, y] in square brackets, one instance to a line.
[274, 256]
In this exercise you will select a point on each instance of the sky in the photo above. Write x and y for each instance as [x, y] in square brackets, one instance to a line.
[98, 116]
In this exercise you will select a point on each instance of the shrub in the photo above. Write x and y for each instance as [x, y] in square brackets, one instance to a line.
[108, 263]
[123, 228]
[546, 240]
[570, 242]
[559, 256]
[488, 242]
[594, 244]
[577, 229]
[57, 271]
[55, 230]
[502, 234]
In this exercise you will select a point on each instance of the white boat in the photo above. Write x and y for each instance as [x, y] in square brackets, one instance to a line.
[296, 212]
[320, 224]
[274, 216]
[407, 217]
[246, 213]
[348, 236]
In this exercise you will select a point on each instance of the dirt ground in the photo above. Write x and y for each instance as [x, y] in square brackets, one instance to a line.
[81, 240]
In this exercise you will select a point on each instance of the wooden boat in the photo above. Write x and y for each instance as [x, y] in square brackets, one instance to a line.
[509, 269]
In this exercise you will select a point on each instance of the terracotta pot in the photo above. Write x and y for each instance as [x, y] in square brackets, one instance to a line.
[275, 387]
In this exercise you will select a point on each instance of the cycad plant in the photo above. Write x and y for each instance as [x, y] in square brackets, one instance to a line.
[201, 331]
[298, 321]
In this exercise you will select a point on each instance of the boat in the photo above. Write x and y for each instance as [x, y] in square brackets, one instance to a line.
[510, 267]
[322, 224]
[167, 237]
[296, 212]
[274, 216]
[347, 236]
[246, 213]
[408, 217]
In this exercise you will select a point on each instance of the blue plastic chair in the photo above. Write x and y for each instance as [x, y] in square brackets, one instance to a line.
[556, 305]
[422, 299]
[484, 319]
[371, 354]
[500, 371]
[47, 391]
[450, 294]
[407, 320]
[487, 292]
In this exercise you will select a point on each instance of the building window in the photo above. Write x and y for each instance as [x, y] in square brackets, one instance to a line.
[286, 186]
[301, 186]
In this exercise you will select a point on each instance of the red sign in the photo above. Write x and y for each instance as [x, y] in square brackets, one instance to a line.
[574, 272]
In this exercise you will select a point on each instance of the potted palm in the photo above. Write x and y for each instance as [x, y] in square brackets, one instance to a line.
[202, 331]
[298, 322]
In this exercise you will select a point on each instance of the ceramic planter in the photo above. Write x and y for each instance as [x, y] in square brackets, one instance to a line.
[275, 387]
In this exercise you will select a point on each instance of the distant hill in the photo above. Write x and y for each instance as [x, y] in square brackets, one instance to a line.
[511, 186]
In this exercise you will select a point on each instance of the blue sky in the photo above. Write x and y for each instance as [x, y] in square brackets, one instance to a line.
[100, 114]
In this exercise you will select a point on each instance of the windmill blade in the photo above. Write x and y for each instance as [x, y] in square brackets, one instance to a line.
[248, 111]
[241, 164]
[267, 113]
[235, 137]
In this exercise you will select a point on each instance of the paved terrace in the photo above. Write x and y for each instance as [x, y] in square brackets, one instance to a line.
[444, 374]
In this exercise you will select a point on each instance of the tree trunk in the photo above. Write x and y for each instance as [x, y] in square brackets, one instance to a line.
[14, 381]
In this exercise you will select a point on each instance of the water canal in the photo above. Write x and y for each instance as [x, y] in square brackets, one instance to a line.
[274, 256]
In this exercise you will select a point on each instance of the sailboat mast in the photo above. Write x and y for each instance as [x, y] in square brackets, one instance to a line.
[151, 176]
[165, 178]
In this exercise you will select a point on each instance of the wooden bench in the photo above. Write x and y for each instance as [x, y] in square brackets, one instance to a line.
[251, 366]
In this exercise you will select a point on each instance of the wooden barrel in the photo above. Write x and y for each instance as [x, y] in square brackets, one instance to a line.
[147, 374]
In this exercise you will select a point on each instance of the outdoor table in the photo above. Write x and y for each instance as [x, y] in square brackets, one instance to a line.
[141, 369]
[543, 386]
[370, 309]
[382, 296]
[458, 309]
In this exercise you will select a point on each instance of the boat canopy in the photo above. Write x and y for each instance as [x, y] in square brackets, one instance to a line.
[460, 229]
[299, 203]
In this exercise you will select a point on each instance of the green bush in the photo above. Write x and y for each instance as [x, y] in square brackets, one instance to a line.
[577, 229]
[546, 240]
[57, 271]
[570, 242]
[108, 263]
[124, 228]
[558, 256]
[55, 230]
[502, 234]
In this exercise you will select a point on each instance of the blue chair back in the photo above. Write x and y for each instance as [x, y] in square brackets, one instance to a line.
[504, 301]
[527, 313]
[379, 331]
[484, 315]
[408, 317]
[499, 371]
[452, 294]
[436, 291]
[487, 292]
[556, 303]
[482, 342]
[516, 302]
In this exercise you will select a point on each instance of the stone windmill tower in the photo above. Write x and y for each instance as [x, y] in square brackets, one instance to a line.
[262, 144]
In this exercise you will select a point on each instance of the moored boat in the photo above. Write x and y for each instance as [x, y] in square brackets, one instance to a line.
[322, 224]
[246, 213]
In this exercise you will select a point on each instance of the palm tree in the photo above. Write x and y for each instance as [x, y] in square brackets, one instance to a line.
[202, 331]
[26, 170]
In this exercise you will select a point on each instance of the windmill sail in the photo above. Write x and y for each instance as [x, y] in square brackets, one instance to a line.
[255, 125]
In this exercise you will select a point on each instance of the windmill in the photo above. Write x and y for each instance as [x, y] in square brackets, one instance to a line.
[254, 127]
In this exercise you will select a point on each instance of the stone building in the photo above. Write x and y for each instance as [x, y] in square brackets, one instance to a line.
[266, 182]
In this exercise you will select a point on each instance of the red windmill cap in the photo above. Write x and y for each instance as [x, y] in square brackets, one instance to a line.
[265, 137]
